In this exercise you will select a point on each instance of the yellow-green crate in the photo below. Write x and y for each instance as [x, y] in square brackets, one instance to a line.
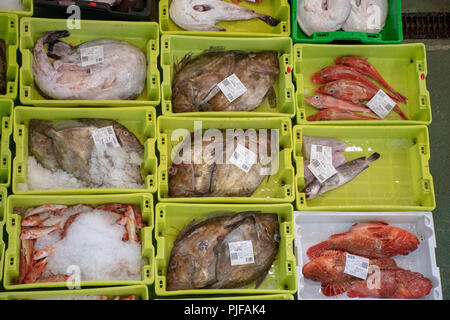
[3, 199]
[140, 292]
[6, 109]
[27, 9]
[13, 229]
[279, 9]
[9, 32]
[280, 296]
[277, 188]
[403, 66]
[171, 218]
[141, 121]
[143, 35]
[399, 180]
[174, 48]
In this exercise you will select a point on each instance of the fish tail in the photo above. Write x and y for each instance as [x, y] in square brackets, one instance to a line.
[373, 157]
[400, 112]
[316, 250]
[271, 21]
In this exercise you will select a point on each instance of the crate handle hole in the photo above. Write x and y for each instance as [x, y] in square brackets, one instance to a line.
[11, 261]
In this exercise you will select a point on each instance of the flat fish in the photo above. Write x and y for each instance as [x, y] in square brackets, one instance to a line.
[195, 84]
[367, 16]
[322, 15]
[120, 74]
[200, 257]
[203, 15]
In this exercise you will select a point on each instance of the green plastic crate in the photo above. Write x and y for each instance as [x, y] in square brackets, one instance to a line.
[399, 180]
[171, 218]
[276, 189]
[6, 108]
[279, 9]
[140, 291]
[143, 35]
[403, 66]
[28, 9]
[174, 48]
[13, 229]
[9, 32]
[141, 121]
[392, 32]
[3, 197]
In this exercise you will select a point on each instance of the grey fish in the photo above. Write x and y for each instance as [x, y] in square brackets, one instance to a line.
[334, 144]
[345, 173]
[203, 15]
[3, 67]
[120, 76]
[195, 83]
[200, 257]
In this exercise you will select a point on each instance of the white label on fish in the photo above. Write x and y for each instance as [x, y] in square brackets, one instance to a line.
[91, 55]
[243, 158]
[381, 104]
[356, 266]
[321, 164]
[241, 252]
[232, 87]
[105, 137]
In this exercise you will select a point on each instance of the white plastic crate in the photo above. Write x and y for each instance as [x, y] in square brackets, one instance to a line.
[314, 227]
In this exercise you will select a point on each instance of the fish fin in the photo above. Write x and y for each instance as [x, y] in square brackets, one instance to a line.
[272, 97]
[334, 288]
[400, 112]
[271, 21]
[373, 157]
[316, 250]
[337, 235]
[178, 66]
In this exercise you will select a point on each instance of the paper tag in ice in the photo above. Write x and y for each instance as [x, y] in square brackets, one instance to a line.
[381, 104]
[356, 266]
[243, 158]
[241, 252]
[321, 163]
[91, 55]
[105, 137]
[232, 87]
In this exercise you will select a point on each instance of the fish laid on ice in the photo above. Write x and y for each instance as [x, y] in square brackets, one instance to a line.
[345, 173]
[393, 281]
[3, 67]
[118, 73]
[195, 83]
[203, 15]
[367, 16]
[369, 239]
[200, 257]
[322, 15]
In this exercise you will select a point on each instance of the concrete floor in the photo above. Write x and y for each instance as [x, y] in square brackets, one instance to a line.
[438, 58]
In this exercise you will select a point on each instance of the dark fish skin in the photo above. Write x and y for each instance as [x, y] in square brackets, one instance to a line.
[200, 257]
[41, 146]
[3, 67]
[195, 81]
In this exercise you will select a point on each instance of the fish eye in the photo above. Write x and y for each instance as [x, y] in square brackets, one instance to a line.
[316, 97]
[325, 76]
[308, 189]
[173, 264]
[331, 90]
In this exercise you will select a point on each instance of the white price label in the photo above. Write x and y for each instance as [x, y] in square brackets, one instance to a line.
[232, 87]
[243, 158]
[381, 104]
[241, 252]
[91, 55]
[105, 137]
[356, 266]
[321, 164]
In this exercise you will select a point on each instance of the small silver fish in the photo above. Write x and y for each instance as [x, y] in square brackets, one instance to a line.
[345, 173]
[203, 15]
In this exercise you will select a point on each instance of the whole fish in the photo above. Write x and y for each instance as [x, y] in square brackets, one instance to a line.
[203, 15]
[195, 83]
[53, 208]
[338, 159]
[331, 114]
[393, 281]
[352, 90]
[322, 15]
[3, 67]
[367, 16]
[370, 239]
[345, 173]
[120, 73]
[200, 257]
[336, 145]
[322, 101]
[37, 232]
[365, 67]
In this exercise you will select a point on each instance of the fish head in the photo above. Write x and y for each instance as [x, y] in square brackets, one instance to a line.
[127, 139]
[329, 89]
[312, 190]
[180, 271]
[266, 62]
[316, 100]
[324, 267]
[323, 76]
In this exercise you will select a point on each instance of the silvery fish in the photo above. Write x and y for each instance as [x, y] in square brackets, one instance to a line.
[367, 16]
[345, 173]
[203, 15]
[200, 257]
[322, 15]
[118, 73]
